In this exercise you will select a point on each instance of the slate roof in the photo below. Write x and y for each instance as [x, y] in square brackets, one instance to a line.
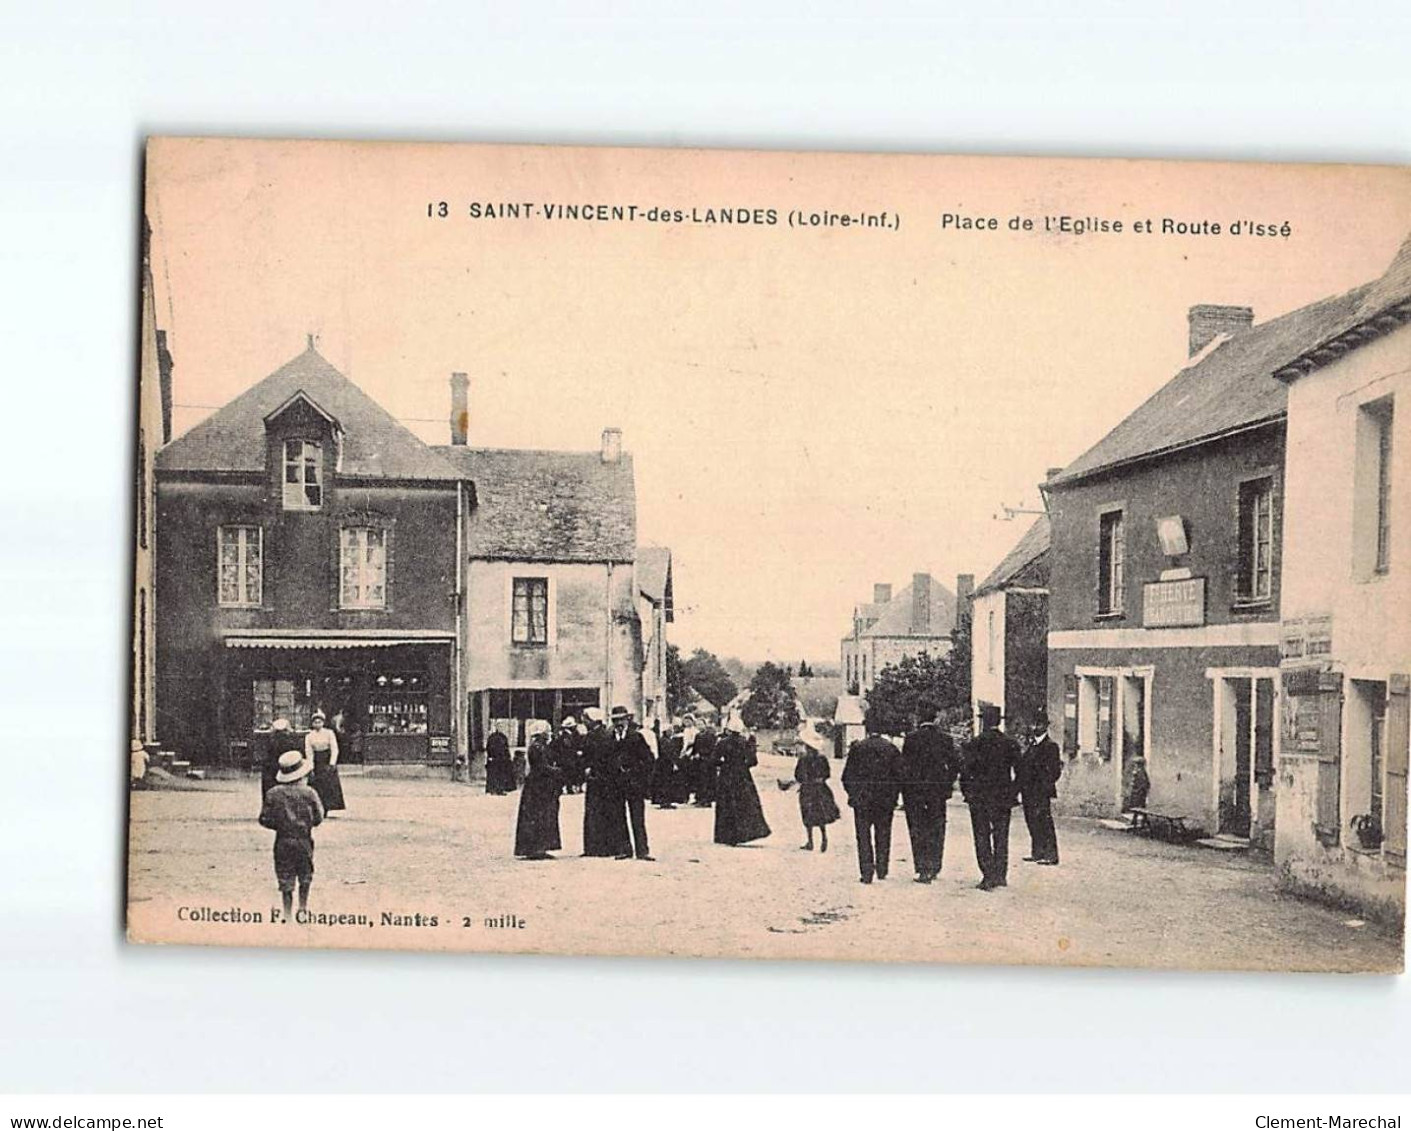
[1026, 553]
[549, 506]
[1230, 387]
[375, 446]
[896, 614]
[654, 576]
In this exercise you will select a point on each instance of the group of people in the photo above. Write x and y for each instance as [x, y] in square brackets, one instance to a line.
[620, 771]
[995, 773]
[299, 786]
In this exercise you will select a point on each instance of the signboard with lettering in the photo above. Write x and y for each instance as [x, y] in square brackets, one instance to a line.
[440, 744]
[1174, 604]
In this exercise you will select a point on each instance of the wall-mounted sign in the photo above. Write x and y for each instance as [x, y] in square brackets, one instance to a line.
[1171, 532]
[1306, 637]
[1173, 604]
[440, 744]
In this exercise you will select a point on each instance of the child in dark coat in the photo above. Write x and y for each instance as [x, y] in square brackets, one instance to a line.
[292, 809]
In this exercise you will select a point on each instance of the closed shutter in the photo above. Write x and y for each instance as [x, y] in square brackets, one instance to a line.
[1398, 736]
[1329, 816]
[1070, 716]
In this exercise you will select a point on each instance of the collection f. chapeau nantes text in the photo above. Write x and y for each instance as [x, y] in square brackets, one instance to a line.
[242, 916]
[878, 219]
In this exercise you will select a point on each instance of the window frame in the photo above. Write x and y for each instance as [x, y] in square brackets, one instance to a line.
[243, 601]
[1112, 565]
[1384, 418]
[366, 529]
[531, 585]
[1254, 507]
[302, 464]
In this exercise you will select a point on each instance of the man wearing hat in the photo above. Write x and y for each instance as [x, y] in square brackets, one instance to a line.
[604, 814]
[292, 809]
[565, 751]
[872, 777]
[988, 784]
[1037, 774]
[635, 764]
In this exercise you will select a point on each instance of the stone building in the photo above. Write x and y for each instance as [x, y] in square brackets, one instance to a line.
[1009, 632]
[921, 618]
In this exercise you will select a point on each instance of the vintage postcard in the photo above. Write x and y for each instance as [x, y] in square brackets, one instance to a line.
[772, 555]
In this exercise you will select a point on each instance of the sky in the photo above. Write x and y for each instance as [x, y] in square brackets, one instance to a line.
[810, 409]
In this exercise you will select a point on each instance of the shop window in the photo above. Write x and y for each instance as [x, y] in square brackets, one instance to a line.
[1256, 541]
[1096, 694]
[241, 553]
[362, 567]
[1112, 564]
[530, 616]
[303, 475]
[396, 704]
[290, 699]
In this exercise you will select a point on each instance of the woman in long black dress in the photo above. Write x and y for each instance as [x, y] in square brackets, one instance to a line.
[536, 831]
[499, 767]
[605, 831]
[321, 748]
[817, 805]
[739, 816]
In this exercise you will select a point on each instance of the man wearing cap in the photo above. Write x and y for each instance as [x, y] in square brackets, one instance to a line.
[988, 784]
[292, 809]
[604, 813]
[1037, 774]
[634, 761]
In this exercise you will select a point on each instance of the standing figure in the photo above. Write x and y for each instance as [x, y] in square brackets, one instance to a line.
[817, 806]
[565, 752]
[706, 766]
[666, 779]
[321, 749]
[292, 810]
[635, 767]
[536, 831]
[499, 767]
[604, 813]
[872, 778]
[281, 741]
[928, 776]
[988, 783]
[739, 816]
[1037, 774]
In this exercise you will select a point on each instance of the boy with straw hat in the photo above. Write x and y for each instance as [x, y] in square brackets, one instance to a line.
[292, 809]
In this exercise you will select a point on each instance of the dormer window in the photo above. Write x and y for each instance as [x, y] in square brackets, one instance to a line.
[303, 475]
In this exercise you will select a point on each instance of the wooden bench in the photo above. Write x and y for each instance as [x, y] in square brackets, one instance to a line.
[1167, 826]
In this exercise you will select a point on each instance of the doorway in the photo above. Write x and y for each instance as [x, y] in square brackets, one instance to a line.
[1135, 780]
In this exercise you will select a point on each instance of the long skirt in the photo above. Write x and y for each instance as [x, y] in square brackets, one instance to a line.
[499, 776]
[739, 816]
[817, 805]
[537, 828]
[327, 784]
[605, 831]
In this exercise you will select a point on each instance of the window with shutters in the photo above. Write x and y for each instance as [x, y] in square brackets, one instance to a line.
[1255, 577]
[1111, 564]
[239, 551]
[529, 621]
[1397, 734]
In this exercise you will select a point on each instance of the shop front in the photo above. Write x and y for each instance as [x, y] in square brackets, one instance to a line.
[509, 710]
[388, 698]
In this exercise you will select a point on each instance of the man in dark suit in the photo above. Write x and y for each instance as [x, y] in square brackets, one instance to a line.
[1037, 776]
[872, 779]
[988, 783]
[635, 765]
[928, 776]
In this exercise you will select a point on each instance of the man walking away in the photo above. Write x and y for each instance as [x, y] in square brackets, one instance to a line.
[988, 783]
[872, 779]
[928, 776]
[635, 764]
[1039, 769]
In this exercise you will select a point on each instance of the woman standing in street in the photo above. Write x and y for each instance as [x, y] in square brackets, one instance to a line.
[499, 767]
[536, 831]
[739, 816]
[817, 806]
[321, 750]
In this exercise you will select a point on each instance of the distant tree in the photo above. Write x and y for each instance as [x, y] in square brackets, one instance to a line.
[805, 672]
[704, 673]
[772, 704]
[789, 671]
[678, 691]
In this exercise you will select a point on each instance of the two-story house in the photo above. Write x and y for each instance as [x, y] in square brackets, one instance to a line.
[1164, 589]
[1346, 721]
[307, 560]
[1009, 632]
[920, 618]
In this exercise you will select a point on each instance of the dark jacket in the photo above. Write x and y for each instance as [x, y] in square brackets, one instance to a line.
[1038, 771]
[987, 777]
[634, 761]
[872, 775]
[929, 768]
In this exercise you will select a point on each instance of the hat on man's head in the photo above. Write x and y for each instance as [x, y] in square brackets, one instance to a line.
[280, 724]
[569, 722]
[537, 726]
[593, 714]
[620, 712]
[317, 715]
[1041, 719]
[292, 767]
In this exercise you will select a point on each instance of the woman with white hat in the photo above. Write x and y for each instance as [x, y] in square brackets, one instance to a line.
[536, 831]
[739, 816]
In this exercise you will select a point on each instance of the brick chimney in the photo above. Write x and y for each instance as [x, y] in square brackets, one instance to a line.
[881, 593]
[460, 408]
[1052, 473]
[612, 445]
[921, 604]
[1207, 320]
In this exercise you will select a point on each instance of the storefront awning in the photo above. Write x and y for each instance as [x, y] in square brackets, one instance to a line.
[374, 638]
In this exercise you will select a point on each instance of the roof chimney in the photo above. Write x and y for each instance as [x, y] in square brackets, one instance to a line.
[921, 604]
[460, 408]
[612, 445]
[881, 593]
[1052, 473]
[1207, 321]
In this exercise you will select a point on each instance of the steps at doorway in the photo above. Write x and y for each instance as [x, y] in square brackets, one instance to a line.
[1225, 843]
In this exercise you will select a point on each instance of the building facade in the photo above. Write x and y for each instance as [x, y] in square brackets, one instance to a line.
[307, 561]
[921, 618]
[1165, 588]
[656, 608]
[1347, 606]
[1009, 632]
